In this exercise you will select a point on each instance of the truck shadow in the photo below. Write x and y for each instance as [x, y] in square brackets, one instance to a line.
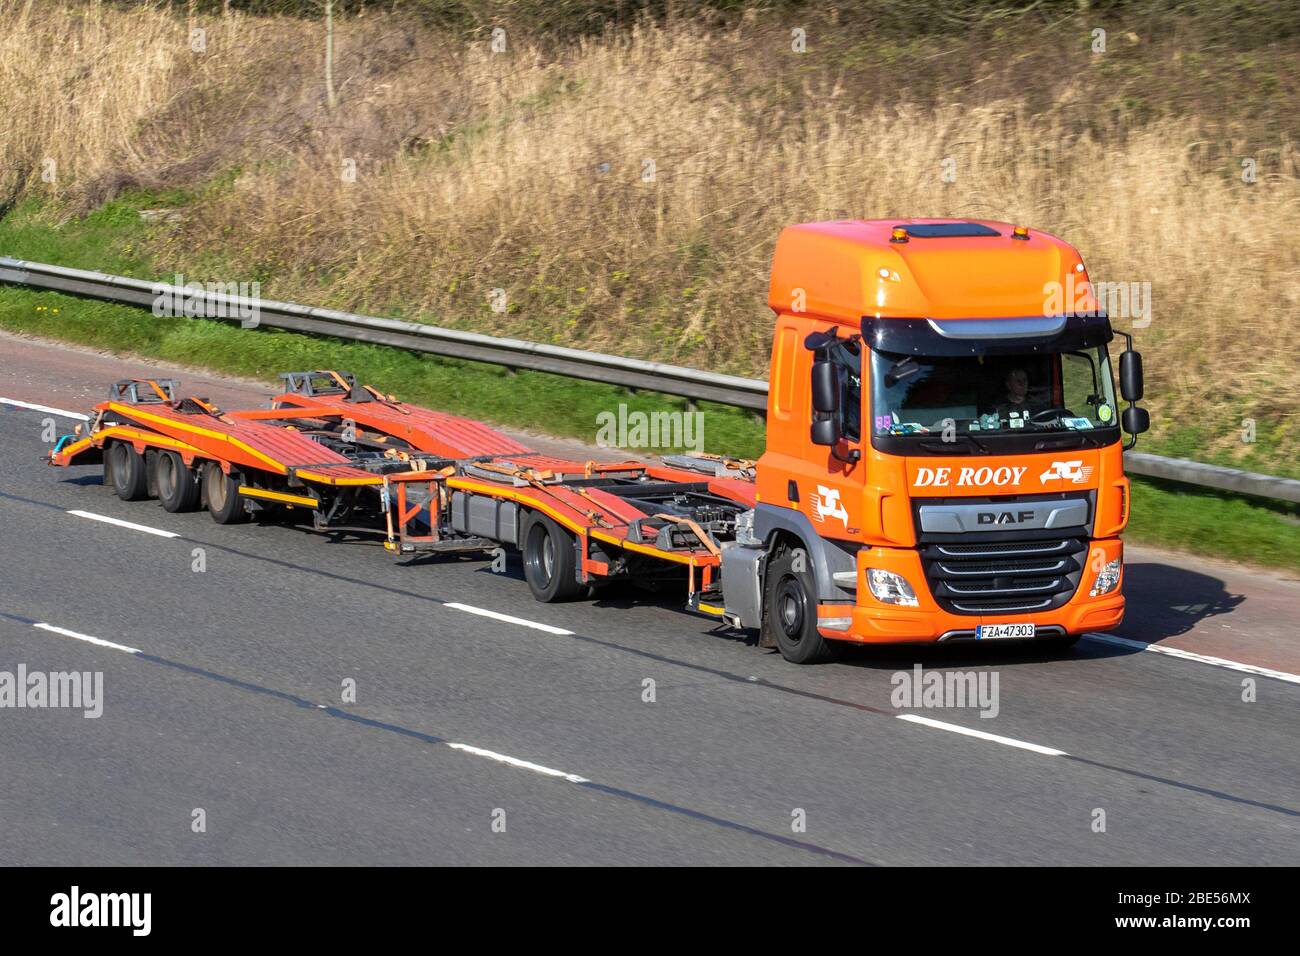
[1163, 601]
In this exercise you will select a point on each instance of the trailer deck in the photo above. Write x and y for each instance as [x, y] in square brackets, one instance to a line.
[422, 481]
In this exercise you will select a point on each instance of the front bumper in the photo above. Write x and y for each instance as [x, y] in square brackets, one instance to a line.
[869, 621]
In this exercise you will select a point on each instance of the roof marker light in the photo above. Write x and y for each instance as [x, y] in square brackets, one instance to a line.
[898, 235]
[1078, 267]
[1020, 232]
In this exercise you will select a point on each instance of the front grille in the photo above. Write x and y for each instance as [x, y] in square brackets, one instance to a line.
[1004, 577]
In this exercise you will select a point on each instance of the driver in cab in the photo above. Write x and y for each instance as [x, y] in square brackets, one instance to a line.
[1018, 397]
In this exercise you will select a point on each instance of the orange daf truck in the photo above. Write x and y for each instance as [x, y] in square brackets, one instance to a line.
[943, 458]
[943, 441]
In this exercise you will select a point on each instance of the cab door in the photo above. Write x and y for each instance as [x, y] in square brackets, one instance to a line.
[836, 456]
[822, 482]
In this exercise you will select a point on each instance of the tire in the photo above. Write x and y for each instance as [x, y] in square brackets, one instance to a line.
[790, 613]
[221, 494]
[550, 565]
[124, 468]
[178, 487]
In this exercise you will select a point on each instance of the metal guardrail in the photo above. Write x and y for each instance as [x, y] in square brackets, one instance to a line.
[1212, 476]
[511, 353]
[516, 353]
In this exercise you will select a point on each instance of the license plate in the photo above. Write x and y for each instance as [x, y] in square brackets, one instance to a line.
[987, 632]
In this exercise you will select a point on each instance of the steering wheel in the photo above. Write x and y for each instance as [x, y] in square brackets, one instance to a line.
[1048, 414]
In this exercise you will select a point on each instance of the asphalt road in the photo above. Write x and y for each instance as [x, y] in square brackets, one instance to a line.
[476, 739]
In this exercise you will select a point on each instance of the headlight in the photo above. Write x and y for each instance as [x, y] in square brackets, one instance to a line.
[1107, 578]
[890, 588]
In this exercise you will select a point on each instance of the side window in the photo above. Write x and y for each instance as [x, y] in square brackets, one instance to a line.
[848, 356]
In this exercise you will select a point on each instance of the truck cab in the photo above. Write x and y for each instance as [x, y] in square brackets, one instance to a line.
[944, 441]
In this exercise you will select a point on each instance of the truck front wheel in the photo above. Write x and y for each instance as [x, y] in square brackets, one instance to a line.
[790, 613]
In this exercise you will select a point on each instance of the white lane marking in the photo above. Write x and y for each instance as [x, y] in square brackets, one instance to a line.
[1009, 741]
[99, 641]
[1191, 656]
[516, 762]
[496, 616]
[464, 748]
[44, 408]
[125, 524]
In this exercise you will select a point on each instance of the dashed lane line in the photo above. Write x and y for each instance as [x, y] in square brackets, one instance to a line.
[981, 735]
[1192, 656]
[507, 618]
[131, 525]
[31, 407]
[494, 756]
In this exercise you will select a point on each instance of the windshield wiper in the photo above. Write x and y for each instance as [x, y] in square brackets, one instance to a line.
[1069, 439]
[947, 446]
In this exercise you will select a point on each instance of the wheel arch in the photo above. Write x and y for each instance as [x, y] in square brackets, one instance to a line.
[778, 527]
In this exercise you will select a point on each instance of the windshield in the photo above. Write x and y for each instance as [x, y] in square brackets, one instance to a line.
[976, 395]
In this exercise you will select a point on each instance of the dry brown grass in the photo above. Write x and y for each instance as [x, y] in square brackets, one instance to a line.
[522, 171]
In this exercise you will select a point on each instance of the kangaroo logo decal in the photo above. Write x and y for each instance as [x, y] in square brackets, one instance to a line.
[1072, 471]
[826, 504]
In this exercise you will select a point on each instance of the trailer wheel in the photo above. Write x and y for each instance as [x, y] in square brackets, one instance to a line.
[221, 492]
[124, 467]
[178, 486]
[549, 564]
[790, 613]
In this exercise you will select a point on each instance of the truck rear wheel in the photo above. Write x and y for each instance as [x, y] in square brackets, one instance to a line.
[790, 613]
[178, 487]
[549, 562]
[221, 492]
[124, 467]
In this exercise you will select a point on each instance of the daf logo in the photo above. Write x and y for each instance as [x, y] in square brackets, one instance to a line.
[1004, 517]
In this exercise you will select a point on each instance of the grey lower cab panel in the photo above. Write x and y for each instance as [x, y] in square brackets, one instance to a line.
[741, 582]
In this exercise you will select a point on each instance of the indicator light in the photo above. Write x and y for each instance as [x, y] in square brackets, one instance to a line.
[1019, 232]
[898, 235]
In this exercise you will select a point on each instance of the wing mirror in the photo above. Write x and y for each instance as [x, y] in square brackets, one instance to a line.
[1130, 375]
[825, 387]
[826, 431]
[1135, 420]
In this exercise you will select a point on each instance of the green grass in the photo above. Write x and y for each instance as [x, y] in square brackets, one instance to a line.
[1193, 441]
[1163, 514]
[549, 404]
[1202, 521]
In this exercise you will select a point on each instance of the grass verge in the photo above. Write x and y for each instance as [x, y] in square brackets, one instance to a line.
[1204, 521]
[549, 404]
